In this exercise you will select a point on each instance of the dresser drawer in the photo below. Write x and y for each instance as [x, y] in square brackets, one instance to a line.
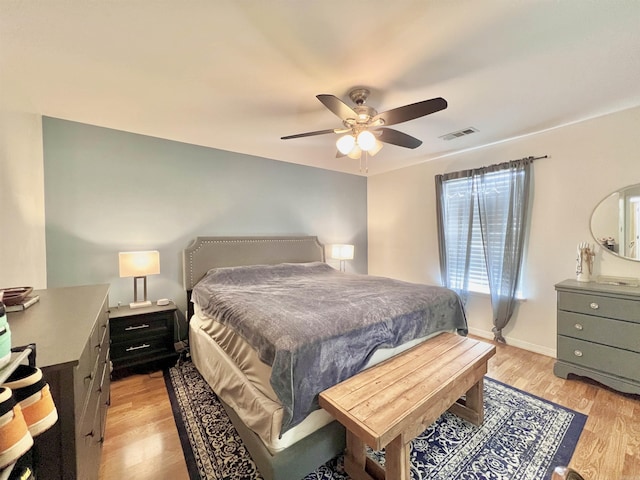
[93, 357]
[599, 357]
[105, 396]
[143, 326]
[99, 384]
[102, 326]
[601, 306]
[89, 447]
[82, 377]
[614, 333]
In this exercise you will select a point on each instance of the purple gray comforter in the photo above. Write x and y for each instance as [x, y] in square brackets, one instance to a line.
[317, 326]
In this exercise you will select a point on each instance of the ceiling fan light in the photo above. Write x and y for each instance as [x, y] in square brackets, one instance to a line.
[376, 148]
[345, 144]
[366, 140]
[355, 153]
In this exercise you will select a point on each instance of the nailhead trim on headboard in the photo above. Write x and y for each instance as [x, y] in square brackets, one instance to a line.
[313, 251]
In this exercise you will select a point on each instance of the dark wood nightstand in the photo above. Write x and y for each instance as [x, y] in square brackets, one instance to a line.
[142, 336]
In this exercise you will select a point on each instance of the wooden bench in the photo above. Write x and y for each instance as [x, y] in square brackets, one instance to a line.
[388, 405]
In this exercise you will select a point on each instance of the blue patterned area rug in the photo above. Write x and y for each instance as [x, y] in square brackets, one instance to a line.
[523, 437]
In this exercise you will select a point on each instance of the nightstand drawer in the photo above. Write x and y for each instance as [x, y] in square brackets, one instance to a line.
[600, 357]
[133, 348]
[602, 306]
[614, 333]
[143, 326]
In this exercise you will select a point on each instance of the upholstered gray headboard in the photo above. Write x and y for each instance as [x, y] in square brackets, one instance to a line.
[209, 252]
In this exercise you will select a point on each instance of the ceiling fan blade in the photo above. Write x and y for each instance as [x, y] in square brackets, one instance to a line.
[412, 111]
[394, 137]
[308, 134]
[337, 106]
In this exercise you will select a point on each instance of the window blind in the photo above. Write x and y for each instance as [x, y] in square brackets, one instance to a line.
[458, 198]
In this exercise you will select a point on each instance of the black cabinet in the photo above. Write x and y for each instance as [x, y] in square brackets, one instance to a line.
[142, 336]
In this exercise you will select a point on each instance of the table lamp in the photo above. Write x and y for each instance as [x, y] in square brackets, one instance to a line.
[138, 265]
[342, 253]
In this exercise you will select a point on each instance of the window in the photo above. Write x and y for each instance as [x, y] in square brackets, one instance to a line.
[482, 222]
[461, 205]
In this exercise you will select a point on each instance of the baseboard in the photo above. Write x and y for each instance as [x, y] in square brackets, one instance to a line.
[514, 342]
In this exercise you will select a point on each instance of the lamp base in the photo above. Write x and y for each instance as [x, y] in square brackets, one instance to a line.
[146, 303]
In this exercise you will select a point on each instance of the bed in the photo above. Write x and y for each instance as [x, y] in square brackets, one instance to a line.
[260, 379]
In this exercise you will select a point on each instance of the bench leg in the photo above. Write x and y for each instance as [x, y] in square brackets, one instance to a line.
[475, 401]
[356, 463]
[355, 454]
[397, 459]
[473, 408]
[360, 467]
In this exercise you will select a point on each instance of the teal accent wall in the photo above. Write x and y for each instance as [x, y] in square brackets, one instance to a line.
[108, 191]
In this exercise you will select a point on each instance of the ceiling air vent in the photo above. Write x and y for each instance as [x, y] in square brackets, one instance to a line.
[459, 133]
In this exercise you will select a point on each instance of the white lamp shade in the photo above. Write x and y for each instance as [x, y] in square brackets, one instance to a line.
[366, 140]
[345, 144]
[355, 152]
[139, 264]
[342, 252]
[376, 148]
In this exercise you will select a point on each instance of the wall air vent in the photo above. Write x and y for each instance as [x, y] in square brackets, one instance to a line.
[459, 133]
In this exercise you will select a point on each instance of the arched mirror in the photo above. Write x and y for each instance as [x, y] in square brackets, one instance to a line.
[615, 223]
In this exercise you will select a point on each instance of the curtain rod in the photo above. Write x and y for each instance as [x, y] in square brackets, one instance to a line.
[469, 172]
[524, 158]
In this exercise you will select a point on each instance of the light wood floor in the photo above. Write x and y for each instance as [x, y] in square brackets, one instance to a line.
[142, 441]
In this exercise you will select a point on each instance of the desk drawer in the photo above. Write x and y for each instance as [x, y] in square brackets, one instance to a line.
[601, 306]
[600, 357]
[614, 333]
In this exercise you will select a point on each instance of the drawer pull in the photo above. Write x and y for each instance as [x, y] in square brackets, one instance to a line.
[578, 326]
[594, 306]
[577, 353]
[139, 347]
[136, 327]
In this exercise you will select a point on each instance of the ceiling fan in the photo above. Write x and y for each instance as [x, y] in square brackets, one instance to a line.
[365, 130]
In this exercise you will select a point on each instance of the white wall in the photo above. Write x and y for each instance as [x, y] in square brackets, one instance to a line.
[587, 161]
[22, 233]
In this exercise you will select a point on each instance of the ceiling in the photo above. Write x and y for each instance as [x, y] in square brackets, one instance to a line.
[237, 75]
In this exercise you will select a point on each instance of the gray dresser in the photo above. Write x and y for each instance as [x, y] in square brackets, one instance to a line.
[70, 327]
[599, 333]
